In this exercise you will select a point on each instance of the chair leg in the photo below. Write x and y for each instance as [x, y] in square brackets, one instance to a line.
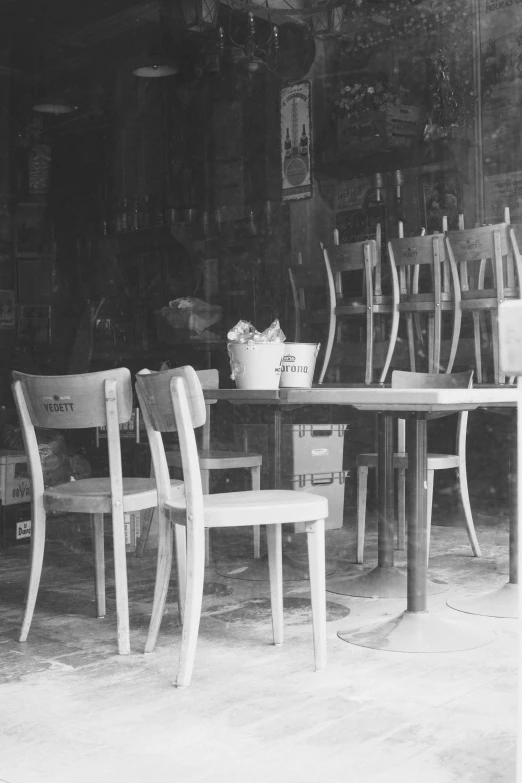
[275, 569]
[256, 485]
[35, 569]
[180, 539]
[362, 486]
[476, 340]
[120, 581]
[431, 479]
[99, 563]
[316, 562]
[163, 569]
[391, 346]
[401, 509]
[411, 340]
[498, 377]
[146, 523]
[205, 483]
[464, 496]
[193, 601]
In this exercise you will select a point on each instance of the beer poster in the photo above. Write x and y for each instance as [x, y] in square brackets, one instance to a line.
[296, 142]
[501, 88]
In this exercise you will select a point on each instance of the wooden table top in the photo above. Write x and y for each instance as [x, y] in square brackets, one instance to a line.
[375, 398]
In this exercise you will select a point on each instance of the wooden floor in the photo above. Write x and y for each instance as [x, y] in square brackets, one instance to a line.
[73, 711]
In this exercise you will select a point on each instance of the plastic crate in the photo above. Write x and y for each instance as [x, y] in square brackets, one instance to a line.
[312, 448]
[330, 485]
[15, 484]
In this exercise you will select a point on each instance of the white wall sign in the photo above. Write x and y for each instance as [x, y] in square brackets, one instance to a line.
[296, 142]
[510, 337]
[503, 190]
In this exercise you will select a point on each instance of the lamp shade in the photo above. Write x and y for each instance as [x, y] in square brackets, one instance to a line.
[155, 68]
[157, 60]
[53, 104]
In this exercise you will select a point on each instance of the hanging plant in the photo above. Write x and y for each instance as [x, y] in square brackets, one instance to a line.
[451, 101]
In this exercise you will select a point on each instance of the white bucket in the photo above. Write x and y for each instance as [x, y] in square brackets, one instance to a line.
[298, 365]
[256, 365]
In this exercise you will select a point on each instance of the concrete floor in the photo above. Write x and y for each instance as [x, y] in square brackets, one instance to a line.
[73, 711]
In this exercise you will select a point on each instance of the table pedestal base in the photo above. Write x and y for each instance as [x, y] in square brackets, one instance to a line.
[257, 570]
[497, 603]
[380, 582]
[418, 632]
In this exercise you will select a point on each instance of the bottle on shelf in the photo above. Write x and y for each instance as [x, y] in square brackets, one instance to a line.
[288, 144]
[303, 144]
[144, 212]
[124, 215]
[135, 215]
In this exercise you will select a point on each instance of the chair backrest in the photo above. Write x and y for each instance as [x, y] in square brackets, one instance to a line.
[407, 255]
[73, 402]
[483, 244]
[170, 401]
[352, 257]
[339, 259]
[515, 235]
[308, 283]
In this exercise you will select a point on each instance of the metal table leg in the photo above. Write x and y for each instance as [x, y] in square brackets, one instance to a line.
[502, 602]
[416, 630]
[385, 580]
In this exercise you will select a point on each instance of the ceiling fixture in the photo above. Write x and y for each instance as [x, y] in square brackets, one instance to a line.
[200, 15]
[326, 20]
[253, 56]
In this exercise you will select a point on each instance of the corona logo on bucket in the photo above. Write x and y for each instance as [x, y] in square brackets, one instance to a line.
[298, 365]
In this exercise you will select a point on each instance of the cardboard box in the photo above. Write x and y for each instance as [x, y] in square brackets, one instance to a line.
[15, 525]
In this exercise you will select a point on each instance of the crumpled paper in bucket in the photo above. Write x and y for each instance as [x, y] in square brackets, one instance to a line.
[245, 332]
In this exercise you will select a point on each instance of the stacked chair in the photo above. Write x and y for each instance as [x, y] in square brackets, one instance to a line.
[364, 310]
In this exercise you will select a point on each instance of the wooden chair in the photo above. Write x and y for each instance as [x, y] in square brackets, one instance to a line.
[403, 380]
[212, 459]
[173, 400]
[416, 294]
[76, 402]
[311, 323]
[471, 250]
[346, 258]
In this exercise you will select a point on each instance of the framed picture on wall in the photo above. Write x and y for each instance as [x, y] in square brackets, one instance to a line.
[7, 310]
[440, 196]
[296, 142]
[34, 323]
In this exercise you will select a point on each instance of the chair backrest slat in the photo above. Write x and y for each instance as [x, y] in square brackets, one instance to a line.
[155, 392]
[412, 251]
[482, 244]
[351, 257]
[74, 401]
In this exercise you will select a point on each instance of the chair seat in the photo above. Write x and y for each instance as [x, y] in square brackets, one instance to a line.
[93, 495]
[218, 460]
[255, 507]
[435, 461]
